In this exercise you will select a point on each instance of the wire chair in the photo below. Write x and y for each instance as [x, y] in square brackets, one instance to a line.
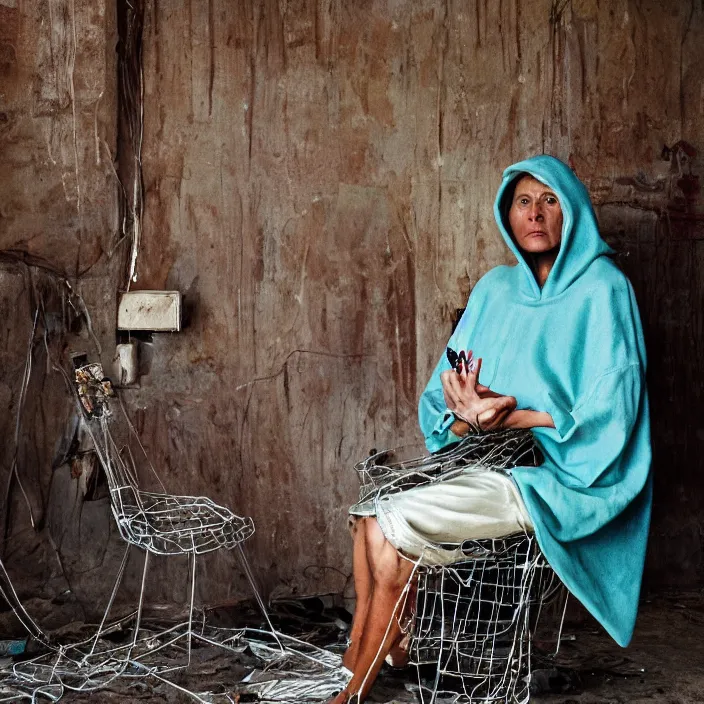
[156, 522]
[160, 523]
[474, 619]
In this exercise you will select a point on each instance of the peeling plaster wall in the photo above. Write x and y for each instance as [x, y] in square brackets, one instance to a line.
[318, 182]
[59, 221]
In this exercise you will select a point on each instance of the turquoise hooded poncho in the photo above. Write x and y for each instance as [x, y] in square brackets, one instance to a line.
[574, 349]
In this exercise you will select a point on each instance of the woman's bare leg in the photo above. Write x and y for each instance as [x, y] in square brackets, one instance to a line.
[363, 585]
[399, 652]
[390, 573]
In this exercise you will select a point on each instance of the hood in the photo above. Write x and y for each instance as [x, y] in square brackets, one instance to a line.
[581, 243]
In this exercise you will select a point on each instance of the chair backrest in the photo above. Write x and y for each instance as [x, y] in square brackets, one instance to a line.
[98, 401]
[118, 467]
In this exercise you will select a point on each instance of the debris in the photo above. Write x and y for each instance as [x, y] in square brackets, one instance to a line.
[12, 647]
[93, 387]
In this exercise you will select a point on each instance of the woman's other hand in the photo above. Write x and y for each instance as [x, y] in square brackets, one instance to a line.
[472, 402]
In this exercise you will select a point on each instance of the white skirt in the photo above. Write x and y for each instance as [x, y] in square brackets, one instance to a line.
[431, 521]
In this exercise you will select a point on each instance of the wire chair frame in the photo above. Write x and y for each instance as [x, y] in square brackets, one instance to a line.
[163, 524]
[390, 471]
[473, 620]
[157, 523]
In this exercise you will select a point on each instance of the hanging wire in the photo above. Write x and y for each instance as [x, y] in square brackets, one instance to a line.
[14, 474]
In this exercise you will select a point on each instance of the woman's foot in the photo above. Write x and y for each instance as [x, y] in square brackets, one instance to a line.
[398, 655]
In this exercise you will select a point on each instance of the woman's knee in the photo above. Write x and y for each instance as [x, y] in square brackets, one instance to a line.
[373, 534]
[387, 567]
[356, 526]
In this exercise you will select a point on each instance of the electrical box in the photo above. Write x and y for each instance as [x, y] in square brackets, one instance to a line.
[155, 311]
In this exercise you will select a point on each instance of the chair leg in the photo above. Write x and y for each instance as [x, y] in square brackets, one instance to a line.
[135, 637]
[118, 581]
[192, 560]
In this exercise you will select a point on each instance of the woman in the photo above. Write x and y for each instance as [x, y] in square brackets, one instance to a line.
[563, 353]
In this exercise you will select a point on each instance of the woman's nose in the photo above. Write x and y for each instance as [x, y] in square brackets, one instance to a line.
[536, 212]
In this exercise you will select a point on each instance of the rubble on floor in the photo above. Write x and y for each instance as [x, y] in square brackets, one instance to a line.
[664, 664]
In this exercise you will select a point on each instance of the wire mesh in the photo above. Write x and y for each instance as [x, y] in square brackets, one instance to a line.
[390, 471]
[473, 619]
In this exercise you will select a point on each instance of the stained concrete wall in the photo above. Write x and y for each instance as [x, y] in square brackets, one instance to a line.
[318, 181]
[59, 222]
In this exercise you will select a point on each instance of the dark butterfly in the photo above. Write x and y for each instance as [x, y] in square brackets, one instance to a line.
[458, 361]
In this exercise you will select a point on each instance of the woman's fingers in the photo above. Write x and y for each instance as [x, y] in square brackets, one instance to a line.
[470, 371]
[450, 390]
[462, 396]
[495, 411]
[472, 401]
[497, 420]
[506, 402]
[474, 374]
[485, 417]
[462, 371]
[448, 379]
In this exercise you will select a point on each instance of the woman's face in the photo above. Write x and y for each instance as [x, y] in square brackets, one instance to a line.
[535, 216]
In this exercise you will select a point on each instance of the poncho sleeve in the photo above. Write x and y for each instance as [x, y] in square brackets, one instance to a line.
[591, 445]
[590, 500]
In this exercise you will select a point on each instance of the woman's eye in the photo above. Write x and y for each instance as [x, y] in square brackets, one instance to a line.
[523, 201]
[551, 200]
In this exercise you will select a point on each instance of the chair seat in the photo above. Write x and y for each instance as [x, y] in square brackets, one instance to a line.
[170, 525]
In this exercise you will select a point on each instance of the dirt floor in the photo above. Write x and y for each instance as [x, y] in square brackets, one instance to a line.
[664, 664]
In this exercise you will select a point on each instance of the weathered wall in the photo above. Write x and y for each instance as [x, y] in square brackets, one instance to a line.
[59, 207]
[57, 126]
[59, 220]
[318, 181]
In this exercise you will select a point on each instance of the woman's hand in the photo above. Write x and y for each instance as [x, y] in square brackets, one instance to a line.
[472, 402]
[486, 392]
